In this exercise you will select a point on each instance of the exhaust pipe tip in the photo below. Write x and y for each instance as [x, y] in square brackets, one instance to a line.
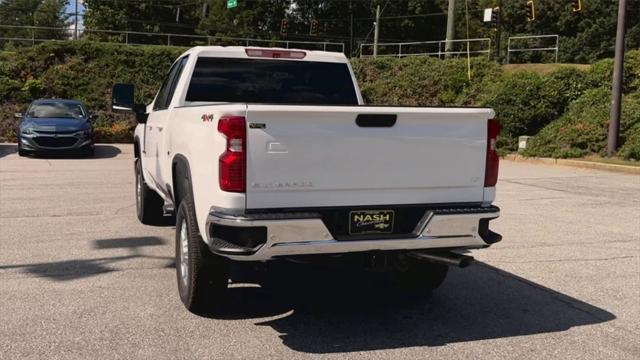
[446, 258]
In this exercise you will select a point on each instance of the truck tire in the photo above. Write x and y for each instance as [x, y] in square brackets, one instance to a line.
[148, 202]
[420, 277]
[202, 276]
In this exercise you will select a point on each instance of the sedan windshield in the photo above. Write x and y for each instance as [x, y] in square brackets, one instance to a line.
[56, 110]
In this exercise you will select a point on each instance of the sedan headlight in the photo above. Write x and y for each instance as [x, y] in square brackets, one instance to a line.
[26, 131]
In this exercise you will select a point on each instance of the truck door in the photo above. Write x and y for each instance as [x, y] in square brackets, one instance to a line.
[157, 122]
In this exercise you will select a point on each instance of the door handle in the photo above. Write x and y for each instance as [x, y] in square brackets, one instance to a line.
[149, 127]
[159, 127]
[376, 120]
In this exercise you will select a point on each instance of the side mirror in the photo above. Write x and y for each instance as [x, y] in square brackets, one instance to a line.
[141, 113]
[122, 97]
[18, 115]
[122, 100]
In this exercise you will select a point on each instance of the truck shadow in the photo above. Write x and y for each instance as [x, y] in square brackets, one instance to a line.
[329, 313]
[69, 270]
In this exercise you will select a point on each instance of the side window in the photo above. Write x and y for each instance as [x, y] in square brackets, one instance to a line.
[169, 85]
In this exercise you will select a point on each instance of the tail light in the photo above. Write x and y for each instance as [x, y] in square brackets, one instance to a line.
[232, 163]
[491, 170]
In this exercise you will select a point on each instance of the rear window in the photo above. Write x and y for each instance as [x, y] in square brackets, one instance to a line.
[271, 81]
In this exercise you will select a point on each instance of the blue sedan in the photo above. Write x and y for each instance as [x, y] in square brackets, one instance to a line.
[55, 125]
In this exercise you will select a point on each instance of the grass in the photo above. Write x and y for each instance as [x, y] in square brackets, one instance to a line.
[542, 68]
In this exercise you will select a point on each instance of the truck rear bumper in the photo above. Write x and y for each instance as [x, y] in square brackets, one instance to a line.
[260, 237]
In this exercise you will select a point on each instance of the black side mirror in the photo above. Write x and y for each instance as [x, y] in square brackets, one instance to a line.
[141, 113]
[122, 100]
[122, 97]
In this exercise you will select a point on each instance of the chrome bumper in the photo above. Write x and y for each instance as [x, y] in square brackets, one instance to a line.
[305, 233]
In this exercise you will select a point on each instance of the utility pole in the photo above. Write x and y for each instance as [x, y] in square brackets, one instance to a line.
[616, 91]
[75, 27]
[451, 27]
[350, 28]
[375, 32]
[498, 31]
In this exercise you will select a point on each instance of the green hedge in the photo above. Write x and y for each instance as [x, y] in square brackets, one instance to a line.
[583, 129]
[561, 108]
[526, 102]
[85, 71]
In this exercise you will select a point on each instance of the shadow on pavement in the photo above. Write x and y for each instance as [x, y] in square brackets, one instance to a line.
[77, 269]
[106, 151]
[102, 151]
[7, 149]
[326, 310]
[128, 242]
[333, 311]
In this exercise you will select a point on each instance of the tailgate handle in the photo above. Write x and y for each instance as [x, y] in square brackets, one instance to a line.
[376, 120]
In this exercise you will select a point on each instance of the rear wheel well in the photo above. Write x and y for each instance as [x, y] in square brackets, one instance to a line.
[181, 176]
[136, 148]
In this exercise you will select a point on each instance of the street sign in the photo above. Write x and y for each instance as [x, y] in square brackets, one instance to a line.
[487, 14]
[231, 4]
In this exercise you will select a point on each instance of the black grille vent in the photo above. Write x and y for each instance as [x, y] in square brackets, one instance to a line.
[55, 142]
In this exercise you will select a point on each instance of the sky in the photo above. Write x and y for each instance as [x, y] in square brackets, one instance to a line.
[71, 8]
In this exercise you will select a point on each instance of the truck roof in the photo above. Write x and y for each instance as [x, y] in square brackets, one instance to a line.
[240, 52]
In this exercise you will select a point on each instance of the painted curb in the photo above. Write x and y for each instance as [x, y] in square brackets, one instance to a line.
[575, 163]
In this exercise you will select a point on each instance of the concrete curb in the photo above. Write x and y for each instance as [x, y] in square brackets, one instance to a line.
[575, 163]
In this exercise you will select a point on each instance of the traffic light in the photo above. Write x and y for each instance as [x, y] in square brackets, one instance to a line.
[531, 10]
[313, 28]
[495, 18]
[284, 27]
[577, 5]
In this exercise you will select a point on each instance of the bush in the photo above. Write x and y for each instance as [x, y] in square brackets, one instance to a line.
[583, 129]
[419, 81]
[631, 147]
[119, 131]
[601, 72]
[84, 71]
[524, 102]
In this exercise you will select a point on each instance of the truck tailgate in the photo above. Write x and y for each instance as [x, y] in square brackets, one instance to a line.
[318, 156]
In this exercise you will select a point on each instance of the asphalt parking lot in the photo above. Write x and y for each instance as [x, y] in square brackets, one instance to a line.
[81, 278]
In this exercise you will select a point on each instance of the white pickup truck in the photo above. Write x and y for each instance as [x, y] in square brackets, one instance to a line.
[269, 153]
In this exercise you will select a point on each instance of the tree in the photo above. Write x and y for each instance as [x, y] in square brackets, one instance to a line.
[255, 19]
[585, 36]
[151, 16]
[41, 13]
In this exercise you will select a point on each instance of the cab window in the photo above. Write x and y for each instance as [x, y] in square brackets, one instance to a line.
[163, 99]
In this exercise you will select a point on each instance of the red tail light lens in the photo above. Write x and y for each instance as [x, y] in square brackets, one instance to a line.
[491, 170]
[232, 163]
